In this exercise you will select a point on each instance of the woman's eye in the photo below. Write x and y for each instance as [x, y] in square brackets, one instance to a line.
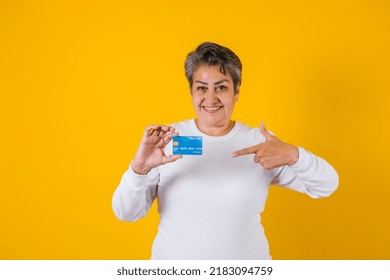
[219, 88]
[201, 88]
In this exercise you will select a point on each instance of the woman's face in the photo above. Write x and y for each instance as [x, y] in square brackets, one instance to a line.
[213, 96]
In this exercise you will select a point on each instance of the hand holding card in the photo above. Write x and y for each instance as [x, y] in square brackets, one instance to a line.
[150, 153]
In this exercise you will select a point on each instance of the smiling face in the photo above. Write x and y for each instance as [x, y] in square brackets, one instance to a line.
[213, 99]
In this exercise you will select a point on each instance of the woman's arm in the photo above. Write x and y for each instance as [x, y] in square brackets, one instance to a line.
[310, 174]
[294, 167]
[138, 188]
[135, 194]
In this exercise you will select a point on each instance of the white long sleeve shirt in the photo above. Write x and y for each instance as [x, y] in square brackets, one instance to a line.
[210, 205]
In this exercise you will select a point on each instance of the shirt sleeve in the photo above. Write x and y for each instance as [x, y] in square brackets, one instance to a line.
[135, 194]
[310, 174]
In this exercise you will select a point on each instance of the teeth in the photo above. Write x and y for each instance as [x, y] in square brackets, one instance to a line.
[214, 108]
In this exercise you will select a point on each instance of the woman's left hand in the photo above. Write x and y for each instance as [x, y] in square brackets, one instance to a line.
[272, 153]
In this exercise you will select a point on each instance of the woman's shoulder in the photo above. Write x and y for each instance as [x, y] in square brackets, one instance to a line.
[183, 126]
[249, 132]
[244, 127]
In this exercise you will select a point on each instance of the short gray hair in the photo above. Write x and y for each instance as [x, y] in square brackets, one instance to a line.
[211, 54]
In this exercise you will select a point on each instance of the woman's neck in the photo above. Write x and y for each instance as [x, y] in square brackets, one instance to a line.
[217, 130]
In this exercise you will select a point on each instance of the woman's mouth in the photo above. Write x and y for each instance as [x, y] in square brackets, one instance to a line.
[211, 109]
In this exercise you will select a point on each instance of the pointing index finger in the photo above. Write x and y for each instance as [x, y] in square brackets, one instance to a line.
[245, 151]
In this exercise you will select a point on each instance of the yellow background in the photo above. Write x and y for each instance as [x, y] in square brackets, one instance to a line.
[79, 81]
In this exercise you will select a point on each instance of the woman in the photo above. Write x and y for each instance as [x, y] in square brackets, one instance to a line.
[210, 205]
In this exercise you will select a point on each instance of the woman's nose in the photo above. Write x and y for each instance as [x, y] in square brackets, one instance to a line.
[211, 95]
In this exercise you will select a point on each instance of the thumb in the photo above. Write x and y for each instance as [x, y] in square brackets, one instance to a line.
[265, 132]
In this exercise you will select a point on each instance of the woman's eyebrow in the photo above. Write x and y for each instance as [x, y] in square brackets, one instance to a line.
[197, 81]
[221, 81]
[216, 83]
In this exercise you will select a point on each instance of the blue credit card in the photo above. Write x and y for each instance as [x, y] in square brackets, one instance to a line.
[187, 145]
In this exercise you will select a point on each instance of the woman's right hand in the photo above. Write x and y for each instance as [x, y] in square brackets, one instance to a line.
[150, 152]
